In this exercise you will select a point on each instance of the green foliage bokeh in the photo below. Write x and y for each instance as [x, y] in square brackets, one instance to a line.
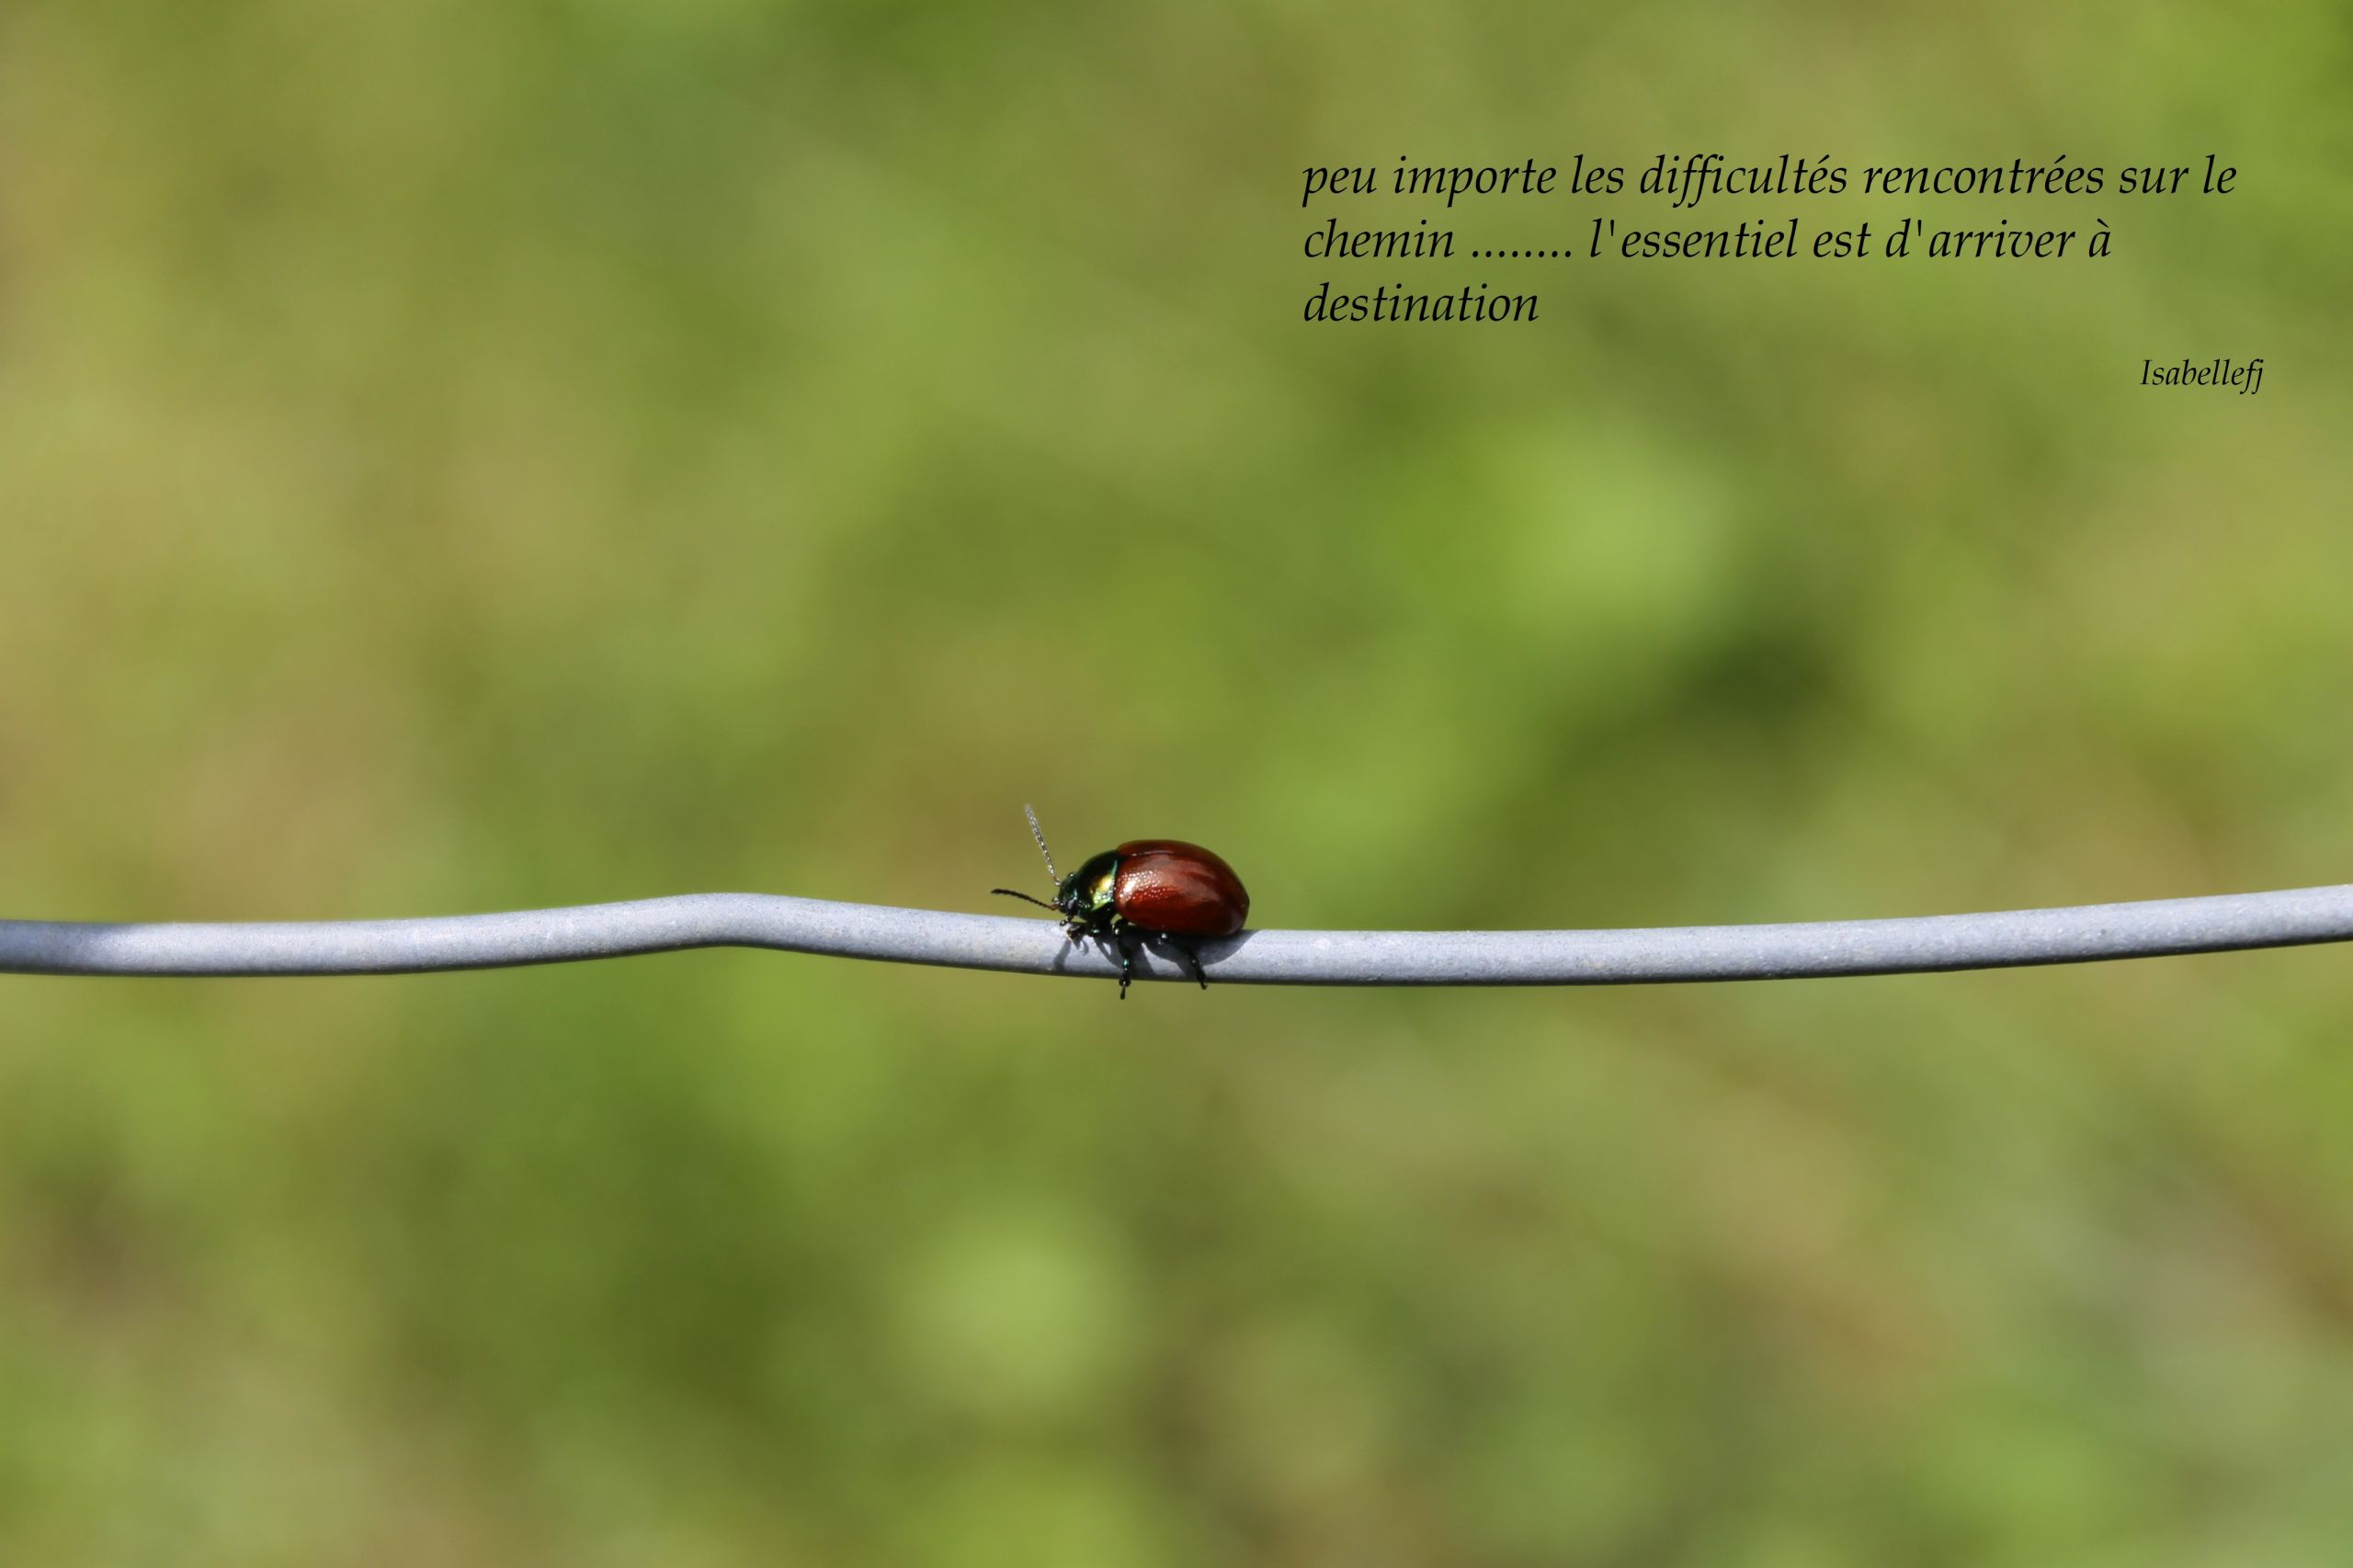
[465, 457]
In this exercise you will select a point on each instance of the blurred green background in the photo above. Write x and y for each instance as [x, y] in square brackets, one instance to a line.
[460, 456]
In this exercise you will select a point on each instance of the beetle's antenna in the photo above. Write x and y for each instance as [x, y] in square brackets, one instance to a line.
[1027, 899]
[1040, 834]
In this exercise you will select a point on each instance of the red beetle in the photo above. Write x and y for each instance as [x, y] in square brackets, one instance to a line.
[1161, 887]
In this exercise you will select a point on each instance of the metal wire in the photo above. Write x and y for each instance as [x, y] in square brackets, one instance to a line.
[2078, 935]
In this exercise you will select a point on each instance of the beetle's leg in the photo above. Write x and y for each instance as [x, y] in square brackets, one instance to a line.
[1108, 928]
[1193, 950]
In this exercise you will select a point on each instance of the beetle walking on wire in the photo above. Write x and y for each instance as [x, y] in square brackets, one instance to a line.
[1158, 887]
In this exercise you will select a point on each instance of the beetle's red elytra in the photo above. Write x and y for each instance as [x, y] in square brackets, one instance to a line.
[1168, 885]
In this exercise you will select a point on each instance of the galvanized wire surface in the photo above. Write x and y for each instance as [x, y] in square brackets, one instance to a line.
[2077, 934]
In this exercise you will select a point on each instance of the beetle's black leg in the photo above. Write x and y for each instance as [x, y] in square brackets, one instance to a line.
[1193, 950]
[1126, 964]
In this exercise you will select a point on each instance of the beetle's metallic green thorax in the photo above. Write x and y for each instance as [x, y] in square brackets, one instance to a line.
[1090, 896]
